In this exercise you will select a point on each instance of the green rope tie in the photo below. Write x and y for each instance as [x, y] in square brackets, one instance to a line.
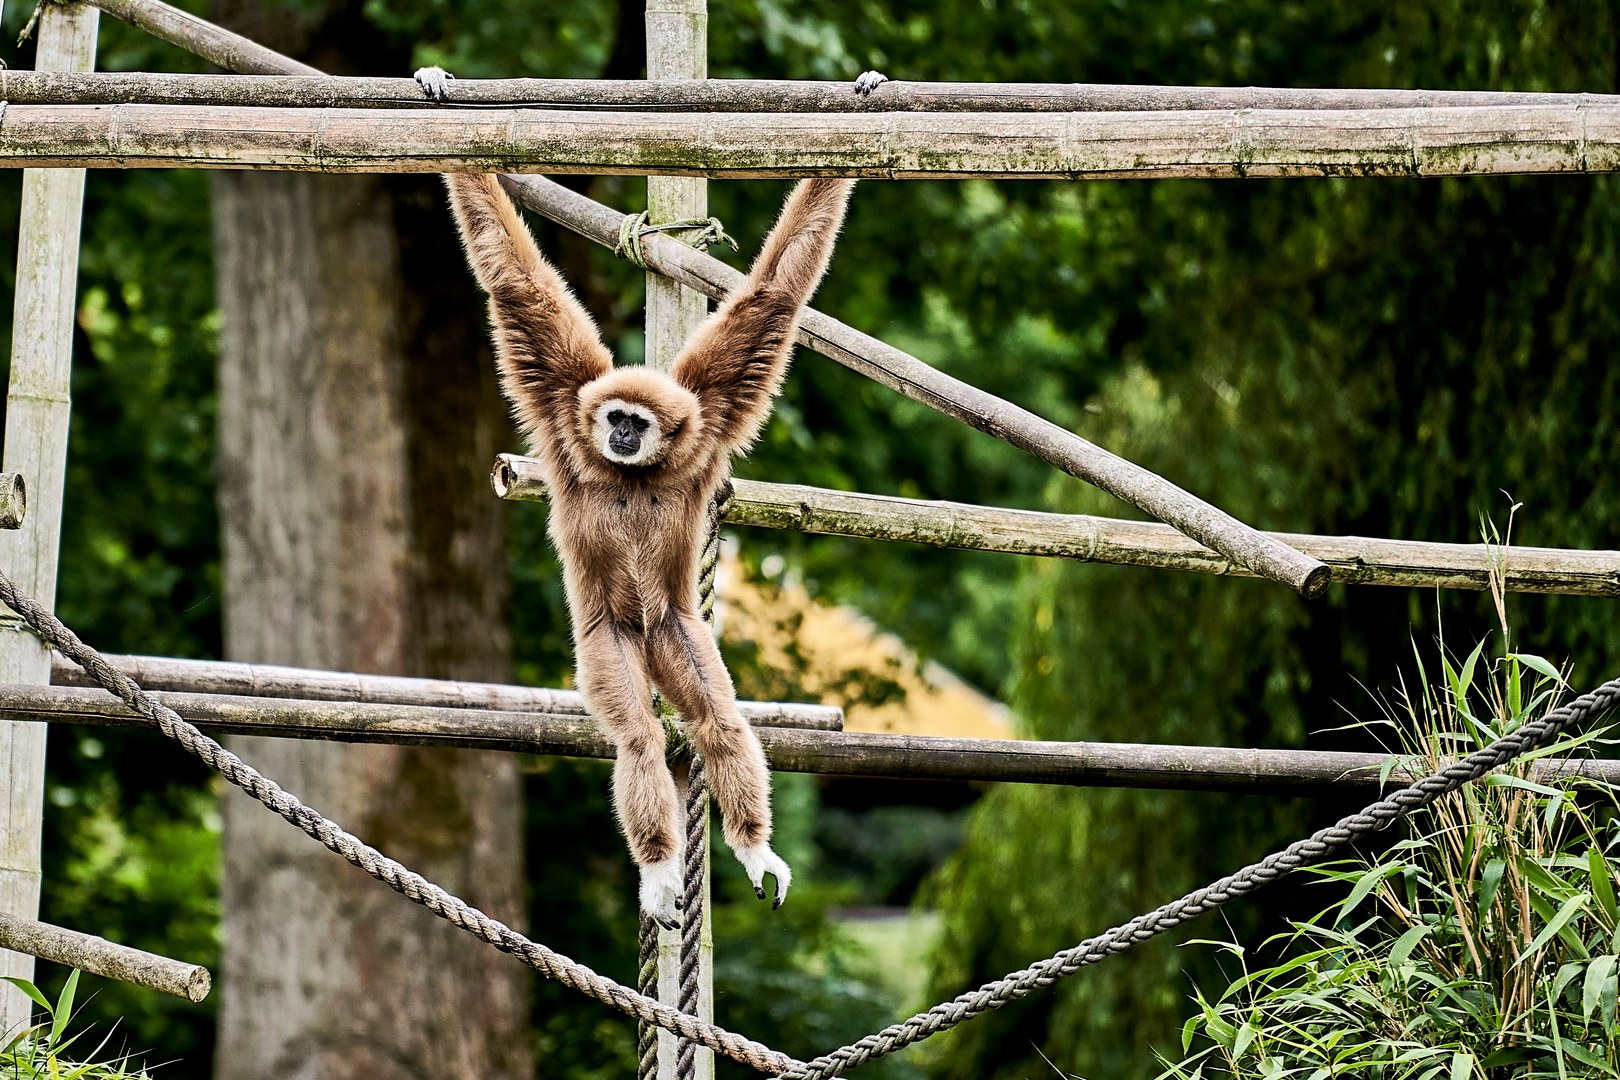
[704, 232]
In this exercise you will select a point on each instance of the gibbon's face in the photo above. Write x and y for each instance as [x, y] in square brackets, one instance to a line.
[627, 433]
[638, 417]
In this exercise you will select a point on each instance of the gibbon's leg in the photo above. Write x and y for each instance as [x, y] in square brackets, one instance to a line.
[687, 667]
[612, 675]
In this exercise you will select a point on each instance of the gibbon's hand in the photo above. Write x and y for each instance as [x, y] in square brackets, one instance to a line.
[864, 84]
[757, 861]
[435, 83]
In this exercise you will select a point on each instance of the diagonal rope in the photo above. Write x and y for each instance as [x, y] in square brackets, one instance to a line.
[1317, 846]
[413, 886]
[964, 1007]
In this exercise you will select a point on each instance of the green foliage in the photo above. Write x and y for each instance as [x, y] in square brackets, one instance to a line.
[1490, 945]
[41, 1051]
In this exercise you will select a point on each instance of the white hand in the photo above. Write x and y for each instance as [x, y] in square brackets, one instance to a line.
[757, 861]
[435, 82]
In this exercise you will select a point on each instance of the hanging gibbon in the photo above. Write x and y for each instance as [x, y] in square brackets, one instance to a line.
[632, 458]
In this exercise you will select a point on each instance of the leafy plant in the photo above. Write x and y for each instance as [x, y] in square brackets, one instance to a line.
[1483, 944]
[40, 1050]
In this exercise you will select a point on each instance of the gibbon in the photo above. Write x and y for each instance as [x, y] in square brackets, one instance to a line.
[632, 458]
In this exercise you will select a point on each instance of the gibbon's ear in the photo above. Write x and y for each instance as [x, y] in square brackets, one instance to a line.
[546, 345]
[736, 360]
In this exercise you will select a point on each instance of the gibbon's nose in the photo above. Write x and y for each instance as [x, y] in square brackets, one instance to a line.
[625, 439]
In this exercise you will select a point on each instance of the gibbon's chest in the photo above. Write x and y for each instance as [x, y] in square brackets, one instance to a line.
[625, 532]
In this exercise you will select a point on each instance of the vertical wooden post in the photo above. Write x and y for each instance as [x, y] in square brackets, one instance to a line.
[37, 408]
[678, 48]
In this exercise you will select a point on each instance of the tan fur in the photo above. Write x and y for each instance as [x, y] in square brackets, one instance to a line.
[630, 536]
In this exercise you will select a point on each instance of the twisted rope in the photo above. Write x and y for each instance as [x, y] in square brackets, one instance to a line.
[706, 232]
[413, 886]
[647, 985]
[697, 812]
[1317, 846]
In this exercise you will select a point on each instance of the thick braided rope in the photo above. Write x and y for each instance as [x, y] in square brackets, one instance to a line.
[1315, 847]
[402, 880]
[697, 812]
[647, 985]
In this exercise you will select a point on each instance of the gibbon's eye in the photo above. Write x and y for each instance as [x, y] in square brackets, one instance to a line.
[640, 423]
[616, 417]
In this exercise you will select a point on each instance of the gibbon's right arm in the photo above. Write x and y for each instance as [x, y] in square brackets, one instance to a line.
[546, 346]
[737, 360]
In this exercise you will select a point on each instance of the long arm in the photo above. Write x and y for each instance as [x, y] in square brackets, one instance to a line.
[546, 346]
[736, 361]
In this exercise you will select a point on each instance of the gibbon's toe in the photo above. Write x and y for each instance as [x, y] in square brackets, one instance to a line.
[757, 861]
[662, 891]
[869, 81]
[435, 82]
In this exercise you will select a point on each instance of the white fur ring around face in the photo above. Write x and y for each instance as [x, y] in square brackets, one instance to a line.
[662, 890]
[757, 861]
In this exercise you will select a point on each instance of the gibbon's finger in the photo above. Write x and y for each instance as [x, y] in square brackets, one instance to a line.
[757, 861]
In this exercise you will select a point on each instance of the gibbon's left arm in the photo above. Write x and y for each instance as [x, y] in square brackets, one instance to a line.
[736, 361]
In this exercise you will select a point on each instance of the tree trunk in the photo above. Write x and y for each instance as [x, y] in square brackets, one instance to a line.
[353, 379]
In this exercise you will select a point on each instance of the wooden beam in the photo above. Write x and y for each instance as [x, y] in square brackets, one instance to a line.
[842, 753]
[1142, 145]
[308, 684]
[1353, 560]
[908, 375]
[697, 94]
[102, 957]
[37, 417]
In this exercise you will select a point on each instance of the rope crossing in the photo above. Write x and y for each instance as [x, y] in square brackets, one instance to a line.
[947, 1015]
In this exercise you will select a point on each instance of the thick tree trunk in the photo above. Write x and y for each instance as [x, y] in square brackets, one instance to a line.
[353, 376]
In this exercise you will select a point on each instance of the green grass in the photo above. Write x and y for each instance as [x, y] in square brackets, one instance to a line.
[42, 1050]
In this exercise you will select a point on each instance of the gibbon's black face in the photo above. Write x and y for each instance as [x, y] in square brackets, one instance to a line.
[626, 433]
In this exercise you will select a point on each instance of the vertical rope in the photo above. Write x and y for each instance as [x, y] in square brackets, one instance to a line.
[647, 985]
[697, 813]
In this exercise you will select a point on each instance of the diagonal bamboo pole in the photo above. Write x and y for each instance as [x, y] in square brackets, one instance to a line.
[900, 371]
[699, 94]
[1353, 560]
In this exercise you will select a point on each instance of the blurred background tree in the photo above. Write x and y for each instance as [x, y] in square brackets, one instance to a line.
[1384, 357]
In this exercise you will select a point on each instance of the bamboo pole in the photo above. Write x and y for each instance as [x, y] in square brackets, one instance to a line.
[99, 956]
[1353, 560]
[910, 376]
[213, 43]
[898, 145]
[697, 93]
[678, 50]
[36, 438]
[842, 753]
[309, 684]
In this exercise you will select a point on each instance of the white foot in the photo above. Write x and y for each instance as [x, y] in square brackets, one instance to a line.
[662, 890]
[869, 81]
[757, 861]
[435, 82]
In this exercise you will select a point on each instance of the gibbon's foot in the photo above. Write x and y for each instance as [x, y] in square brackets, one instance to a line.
[757, 861]
[435, 83]
[662, 890]
[864, 83]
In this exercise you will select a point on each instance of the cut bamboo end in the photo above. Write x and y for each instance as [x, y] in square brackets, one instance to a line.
[13, 500]
[102, 957]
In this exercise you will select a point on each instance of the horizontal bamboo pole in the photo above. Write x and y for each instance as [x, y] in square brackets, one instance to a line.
[896, 145]
[908, 375]
[269, 681]
[717, 95]
[1353, 560]
[101, 957]
[13, 500]
[845, 753]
